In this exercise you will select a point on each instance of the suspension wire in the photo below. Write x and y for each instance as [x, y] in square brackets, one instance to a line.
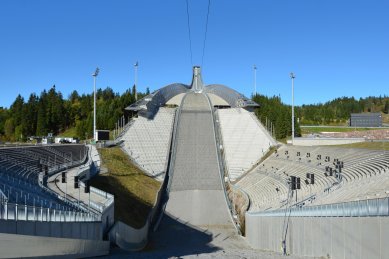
[190, 39]
[205, 36]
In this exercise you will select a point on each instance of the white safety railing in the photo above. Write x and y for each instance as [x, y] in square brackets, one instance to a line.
[362, 208]
[12, 211]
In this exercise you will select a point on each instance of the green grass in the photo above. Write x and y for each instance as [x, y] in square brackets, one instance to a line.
[385, 118]
[134, 191]
[368, 145]
[69, 133]
[305, 130]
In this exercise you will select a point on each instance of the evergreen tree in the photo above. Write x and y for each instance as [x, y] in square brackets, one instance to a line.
[134, 93]
[386, 107]
[41, 125]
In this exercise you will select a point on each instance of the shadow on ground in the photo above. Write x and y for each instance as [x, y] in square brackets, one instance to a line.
[172, 239]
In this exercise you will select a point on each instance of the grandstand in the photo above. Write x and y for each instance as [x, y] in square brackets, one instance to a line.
[27, 197]
[178, 135]
[361, 168]
[245, 140]
[148, 134]
[342, 177]
[147, 141]
[206, 146]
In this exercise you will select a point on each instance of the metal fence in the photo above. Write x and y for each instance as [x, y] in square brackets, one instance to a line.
[12, 211]
[361, 208]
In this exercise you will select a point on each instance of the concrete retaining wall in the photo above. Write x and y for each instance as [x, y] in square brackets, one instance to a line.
[324, 141]
[17, 246]
[129, 238]
[77, 230]
[338, 237]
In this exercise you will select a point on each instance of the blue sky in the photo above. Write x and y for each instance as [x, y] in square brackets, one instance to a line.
[335, 48]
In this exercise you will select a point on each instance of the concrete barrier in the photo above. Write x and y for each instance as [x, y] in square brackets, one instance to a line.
[324, 141]
[17, 246]
[132, 239]
[77, 230]
[336, 237]
[129, 238]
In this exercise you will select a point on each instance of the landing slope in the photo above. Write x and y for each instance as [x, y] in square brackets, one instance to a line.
[196, 193]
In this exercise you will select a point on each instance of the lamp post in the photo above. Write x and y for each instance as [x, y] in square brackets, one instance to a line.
[136, 79]
[292, 76]
[255, 80]
[95, 74]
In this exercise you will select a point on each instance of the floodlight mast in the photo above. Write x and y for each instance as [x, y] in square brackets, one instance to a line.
[292, 76]
[95, 74]
[255, 80]
[136, 79]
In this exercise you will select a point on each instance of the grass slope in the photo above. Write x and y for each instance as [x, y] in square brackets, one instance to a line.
[308, 130]
[385, 118]
[368, 145]
[133, 190]
[69, 133]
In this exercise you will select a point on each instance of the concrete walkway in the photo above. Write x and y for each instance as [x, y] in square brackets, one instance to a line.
[67, 189]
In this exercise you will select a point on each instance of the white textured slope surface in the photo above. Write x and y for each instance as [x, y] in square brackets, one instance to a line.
[147, 141]
[244, 140]
[196, 192]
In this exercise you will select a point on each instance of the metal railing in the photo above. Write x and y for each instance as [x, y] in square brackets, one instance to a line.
[173, 144]
[223, 167]
[155, 216]
[260, 125]
[361, 208]
[13, 211]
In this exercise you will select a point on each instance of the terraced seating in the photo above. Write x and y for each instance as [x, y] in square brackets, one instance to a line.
[19, 170]
[364, 175]
[147, 141]
[23, 162]
[26, 193]
[244, 139]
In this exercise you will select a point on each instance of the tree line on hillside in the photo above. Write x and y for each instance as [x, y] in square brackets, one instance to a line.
[273, 110]
[50, 112]
[338, 110]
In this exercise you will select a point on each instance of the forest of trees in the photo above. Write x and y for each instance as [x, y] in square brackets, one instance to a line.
[338, 110]
[279, 114]
[50, 112]
[335, 112]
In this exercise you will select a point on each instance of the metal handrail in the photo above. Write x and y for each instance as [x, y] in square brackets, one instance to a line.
[222, 165]
[17, 211]
[174, 144]
[360, 208]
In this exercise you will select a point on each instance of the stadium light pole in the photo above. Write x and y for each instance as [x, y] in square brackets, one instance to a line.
[95, 74]
[255, 80]
[136, 79]
[292, 76]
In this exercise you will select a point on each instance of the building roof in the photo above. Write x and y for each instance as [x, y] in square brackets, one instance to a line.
[159, 98]
[367, 114]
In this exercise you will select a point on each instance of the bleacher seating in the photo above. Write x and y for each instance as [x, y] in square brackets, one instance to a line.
[147, 141]
[244, 139]
[19, 171]
[23, 161]
[24, 192]
[365, 174]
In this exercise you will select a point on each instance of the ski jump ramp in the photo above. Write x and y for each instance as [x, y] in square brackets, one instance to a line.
[196, 194]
